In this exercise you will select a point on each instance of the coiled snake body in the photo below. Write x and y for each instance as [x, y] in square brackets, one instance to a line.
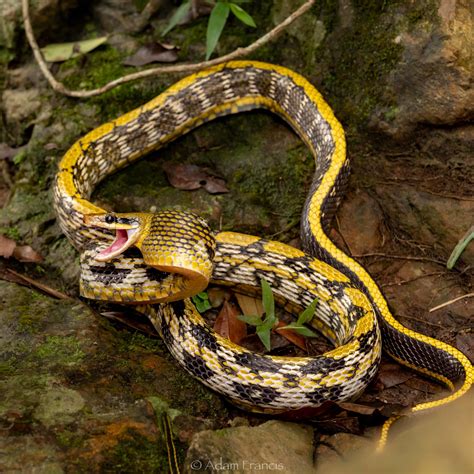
[177, 248]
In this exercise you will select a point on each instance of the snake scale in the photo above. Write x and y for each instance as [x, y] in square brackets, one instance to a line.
[178, 253]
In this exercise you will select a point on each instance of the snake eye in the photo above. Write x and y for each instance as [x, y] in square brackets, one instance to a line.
[109, 219]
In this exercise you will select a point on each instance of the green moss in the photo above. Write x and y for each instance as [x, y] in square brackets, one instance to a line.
[136, 454]
[62, 350]
[11, 232]
[102, 66]
[356, 80]
[29, 323]
[69, 439]
[133, 341]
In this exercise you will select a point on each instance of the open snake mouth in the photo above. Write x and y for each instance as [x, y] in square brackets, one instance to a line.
[124, 238]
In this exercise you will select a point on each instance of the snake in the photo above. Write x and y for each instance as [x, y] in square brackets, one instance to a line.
[158, 261]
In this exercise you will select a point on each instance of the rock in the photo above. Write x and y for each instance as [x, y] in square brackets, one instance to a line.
[117, 16]
[74, 392]
[333, 449]
[272, 446]
[361, 223]
[308, 30]
[431, 82]
[46, 16]
[429, 218]
[20, 105]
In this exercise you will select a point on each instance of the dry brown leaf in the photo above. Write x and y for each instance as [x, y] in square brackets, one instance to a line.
[292, 336]
[190, 177]
[7, 246]
[391, 375]
[342, 423]
[250, 306]
[228, 325]
[357, 408]
[153, 53]
[23, 253]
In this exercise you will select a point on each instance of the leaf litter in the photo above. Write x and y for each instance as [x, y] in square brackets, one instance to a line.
[153, 53]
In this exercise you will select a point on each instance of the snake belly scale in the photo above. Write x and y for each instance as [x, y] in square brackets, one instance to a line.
[351, 312]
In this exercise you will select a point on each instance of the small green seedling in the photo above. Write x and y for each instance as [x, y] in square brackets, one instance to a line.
[217, 20]
[305, 317]
[201, 300]
[264, 326]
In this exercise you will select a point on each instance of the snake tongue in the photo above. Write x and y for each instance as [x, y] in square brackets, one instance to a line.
[121, 239]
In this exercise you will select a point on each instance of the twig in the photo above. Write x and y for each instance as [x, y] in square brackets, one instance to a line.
[400, 257]
[447, 303]
[409, 280]
[27, 281]
[423, 321]
[179, 68]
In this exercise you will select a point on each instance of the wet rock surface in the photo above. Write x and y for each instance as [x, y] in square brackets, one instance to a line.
[77, 391]
[271, 446]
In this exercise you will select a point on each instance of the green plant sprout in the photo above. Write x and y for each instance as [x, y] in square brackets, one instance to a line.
[217, 20]
[201, 300]
[264, 326]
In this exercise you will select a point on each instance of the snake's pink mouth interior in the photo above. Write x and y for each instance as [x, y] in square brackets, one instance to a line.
[121, 239]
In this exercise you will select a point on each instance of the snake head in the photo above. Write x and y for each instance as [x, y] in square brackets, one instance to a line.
[128, 228]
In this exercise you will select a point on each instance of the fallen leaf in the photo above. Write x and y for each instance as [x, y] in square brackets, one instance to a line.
[7, 246]
[391, 375]
[153, 53]
[23, 253]
[250, 306]
[190, 177]
[59, 52]
[227, 324]
[425, 386]
[292, 336]
[357, 408]
[342, 423]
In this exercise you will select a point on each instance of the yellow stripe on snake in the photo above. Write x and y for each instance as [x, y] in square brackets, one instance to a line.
[179, 254]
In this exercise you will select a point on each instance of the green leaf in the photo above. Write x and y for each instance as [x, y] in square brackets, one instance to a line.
[459, 249]
[177, 16]
[201, 300]
[217, 21]
[19, 157]
[242, 15]
[264, 336]
[267, 299]
[59, 52]
[203, 295]
[304, 331]
[307, 315]
[252, 320]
